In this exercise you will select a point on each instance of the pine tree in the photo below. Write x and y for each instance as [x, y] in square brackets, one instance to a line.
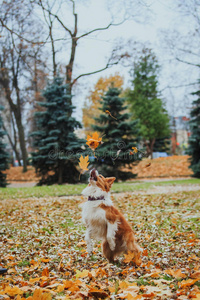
[55, 141]
[119, 136]
[194, 140]
[162, 144]
[145, 102]
[3, 154]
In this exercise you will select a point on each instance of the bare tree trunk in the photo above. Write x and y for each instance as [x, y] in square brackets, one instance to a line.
[22, 141]
[60, 173]
[13, 145]
[152, 142]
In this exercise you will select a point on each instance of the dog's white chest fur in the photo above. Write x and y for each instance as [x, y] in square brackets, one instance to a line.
[94, 218]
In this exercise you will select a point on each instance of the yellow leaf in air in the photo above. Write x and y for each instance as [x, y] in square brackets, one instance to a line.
[94, 141]
[135, 150]
[83, 162]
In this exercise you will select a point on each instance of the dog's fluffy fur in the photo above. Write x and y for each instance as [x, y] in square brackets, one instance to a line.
[104, 222]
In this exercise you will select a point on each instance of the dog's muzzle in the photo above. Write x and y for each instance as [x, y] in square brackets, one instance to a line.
[93, 175]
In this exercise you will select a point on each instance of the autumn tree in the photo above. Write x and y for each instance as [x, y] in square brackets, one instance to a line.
[93, 102]
[145, 102]
[3, 153]
[55, 141]
[194, 140]
[18, 64]
[119, 133]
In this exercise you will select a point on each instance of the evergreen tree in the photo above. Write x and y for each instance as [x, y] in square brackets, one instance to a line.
[3, 154]
[119, 134]
[55, 140]
[162, 144]
[194, 140]
[145, 102]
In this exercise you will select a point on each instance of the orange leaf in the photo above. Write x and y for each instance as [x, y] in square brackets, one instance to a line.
[84, 162]
[13, 291]
[135, 150]
[109, 113]
[97, 293]
[148, 165]
[176, 273]
[45, 272]
[94, 141]
[132, 257]
[186, 283]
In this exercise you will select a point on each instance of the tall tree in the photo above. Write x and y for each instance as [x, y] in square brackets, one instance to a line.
[18, 59]
[145, 102]
[92, 104]
[55, 141]
[3, 154]
[67, 31]
[194, 141]
[120, 135]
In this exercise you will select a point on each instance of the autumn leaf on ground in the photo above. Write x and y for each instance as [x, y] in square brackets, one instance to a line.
[83, 162]
[94, 141]
[109, 113]
[131, 257]
[186, 283]
[176, 273]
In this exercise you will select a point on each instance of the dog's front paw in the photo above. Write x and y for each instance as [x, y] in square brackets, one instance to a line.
[111, 245]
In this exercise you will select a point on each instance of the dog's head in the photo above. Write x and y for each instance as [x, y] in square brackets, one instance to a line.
[104, 183]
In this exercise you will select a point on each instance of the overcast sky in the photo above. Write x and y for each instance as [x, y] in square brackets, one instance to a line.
[94, 50]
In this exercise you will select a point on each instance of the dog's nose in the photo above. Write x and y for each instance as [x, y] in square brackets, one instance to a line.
[93, 174]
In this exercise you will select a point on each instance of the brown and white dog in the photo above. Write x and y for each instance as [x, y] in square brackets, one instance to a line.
[104, 222]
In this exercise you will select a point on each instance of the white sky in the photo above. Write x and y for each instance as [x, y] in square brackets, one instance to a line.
[92, 51]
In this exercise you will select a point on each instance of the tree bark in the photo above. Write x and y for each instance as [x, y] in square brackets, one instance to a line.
[13, 145]
[60, 173]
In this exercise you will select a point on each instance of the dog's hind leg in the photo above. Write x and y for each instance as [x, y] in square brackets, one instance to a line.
[108, 253]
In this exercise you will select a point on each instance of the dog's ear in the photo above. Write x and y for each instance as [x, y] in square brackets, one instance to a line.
[110, 180]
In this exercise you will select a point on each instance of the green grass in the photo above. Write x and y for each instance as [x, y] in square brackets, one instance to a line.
[75, 189]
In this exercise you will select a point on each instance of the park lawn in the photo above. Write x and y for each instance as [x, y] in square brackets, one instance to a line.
[75, 189]
[42, 245]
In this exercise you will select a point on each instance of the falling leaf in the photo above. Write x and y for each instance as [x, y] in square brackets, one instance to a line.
[83, 162]
[94, 141]
[135, 150]
[147, 165]
[109, 113]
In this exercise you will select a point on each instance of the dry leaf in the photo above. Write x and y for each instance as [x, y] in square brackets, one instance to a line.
[83, 163]
[147, 165]
[109, 113]
[94, 141]
[135, 150]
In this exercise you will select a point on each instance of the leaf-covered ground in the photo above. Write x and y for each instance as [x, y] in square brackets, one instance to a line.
[42, 245]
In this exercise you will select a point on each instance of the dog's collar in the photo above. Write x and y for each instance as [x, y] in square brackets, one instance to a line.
[95, 198]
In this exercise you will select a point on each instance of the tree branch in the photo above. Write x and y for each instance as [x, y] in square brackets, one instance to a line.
[187, 62]
[100, 29]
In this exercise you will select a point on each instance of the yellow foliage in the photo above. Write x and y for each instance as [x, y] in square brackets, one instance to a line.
[91, 107]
